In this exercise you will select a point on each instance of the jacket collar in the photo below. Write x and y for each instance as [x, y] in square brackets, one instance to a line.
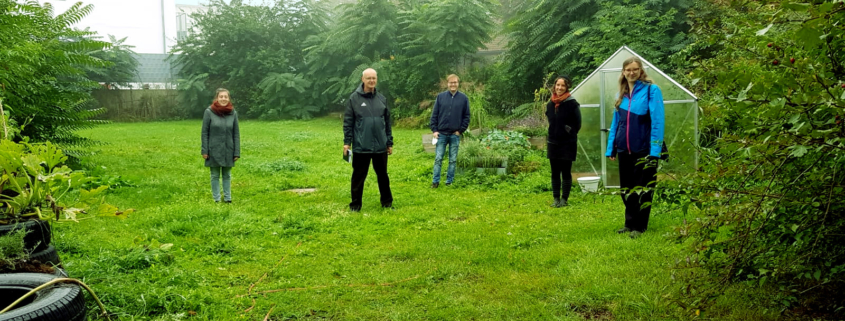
[361, 92]
[450, 93]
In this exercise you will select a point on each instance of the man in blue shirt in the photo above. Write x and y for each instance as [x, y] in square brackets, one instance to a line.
[449, 119]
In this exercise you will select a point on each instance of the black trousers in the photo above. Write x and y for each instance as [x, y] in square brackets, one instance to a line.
[360, 168]
[561, 177]
[638, 178]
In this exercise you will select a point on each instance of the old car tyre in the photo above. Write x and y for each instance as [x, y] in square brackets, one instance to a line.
[57, 302]
[48, 256]
[38, 234]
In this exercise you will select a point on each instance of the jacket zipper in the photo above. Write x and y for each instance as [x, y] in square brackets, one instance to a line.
[628, 123]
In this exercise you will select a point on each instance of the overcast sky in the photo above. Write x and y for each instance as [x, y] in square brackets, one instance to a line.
[192, 2]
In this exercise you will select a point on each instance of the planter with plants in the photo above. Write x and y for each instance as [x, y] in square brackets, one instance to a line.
[494, 152]
[37, 187]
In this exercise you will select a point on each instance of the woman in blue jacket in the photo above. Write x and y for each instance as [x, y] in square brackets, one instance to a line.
[636, 139]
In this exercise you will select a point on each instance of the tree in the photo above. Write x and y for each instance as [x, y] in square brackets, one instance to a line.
[365, 33]
[121, 67]
[237, 45]
[769, 193]
[42, 71]
[437, 37]
[574, 37]
[412, 44]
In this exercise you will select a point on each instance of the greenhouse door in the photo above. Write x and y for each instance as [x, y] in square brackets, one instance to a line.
[609, 88]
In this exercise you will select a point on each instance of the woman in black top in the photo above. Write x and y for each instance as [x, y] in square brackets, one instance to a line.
[564, 115]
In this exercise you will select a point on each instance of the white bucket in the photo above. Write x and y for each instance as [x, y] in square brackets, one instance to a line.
[589, 184]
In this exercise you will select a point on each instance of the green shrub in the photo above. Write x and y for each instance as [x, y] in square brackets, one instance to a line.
[770, 187]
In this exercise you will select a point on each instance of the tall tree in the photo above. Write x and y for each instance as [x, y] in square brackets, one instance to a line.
[575, 36]
[236, 45]
[121, 67]
[42, 70]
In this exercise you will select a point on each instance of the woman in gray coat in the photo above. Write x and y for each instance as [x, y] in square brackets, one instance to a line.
[221, 143]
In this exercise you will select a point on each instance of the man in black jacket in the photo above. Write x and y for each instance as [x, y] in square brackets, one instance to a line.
[366, 129]
[449, 119]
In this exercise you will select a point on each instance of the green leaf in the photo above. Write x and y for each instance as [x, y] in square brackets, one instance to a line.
[798, 151]
[809, 35]
[764, 30]
[797, 6]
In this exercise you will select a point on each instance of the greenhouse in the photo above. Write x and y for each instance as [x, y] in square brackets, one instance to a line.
[597, 94]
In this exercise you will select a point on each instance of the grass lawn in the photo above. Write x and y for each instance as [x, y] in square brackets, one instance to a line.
[487, 248]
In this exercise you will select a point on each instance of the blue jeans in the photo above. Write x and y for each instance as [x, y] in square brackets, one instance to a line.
[227, 183]
[453, 141]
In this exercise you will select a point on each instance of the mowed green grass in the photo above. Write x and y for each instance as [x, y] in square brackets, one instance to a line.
[487, 248]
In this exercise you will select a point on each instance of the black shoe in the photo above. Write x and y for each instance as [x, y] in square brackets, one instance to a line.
[635, 234]
[563, 203]
[435, 185]
[556, 203]
[623, 230]
[354, 209]
[229, 201]
[448, 184]
[387, 206]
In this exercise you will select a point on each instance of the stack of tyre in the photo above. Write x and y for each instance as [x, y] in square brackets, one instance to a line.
[63, 301]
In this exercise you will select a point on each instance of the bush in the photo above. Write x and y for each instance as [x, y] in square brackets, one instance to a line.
[43, 71]
[770, 188]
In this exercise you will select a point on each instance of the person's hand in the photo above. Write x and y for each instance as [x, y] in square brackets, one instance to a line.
[204, 156]
[237, 158]
[436, 134]
[345, 149]
[390, 150]
[611, 158]
[457, 133]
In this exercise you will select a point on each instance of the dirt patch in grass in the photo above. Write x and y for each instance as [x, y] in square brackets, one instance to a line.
[302, 190]
[593, 313]
[26, 266]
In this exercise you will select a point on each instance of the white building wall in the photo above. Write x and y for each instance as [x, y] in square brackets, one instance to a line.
[149, 25]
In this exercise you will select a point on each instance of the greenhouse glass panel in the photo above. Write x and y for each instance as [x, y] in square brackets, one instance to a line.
[588, 93]
[680, 136]
[597, 96]
[615, 62]
[611, 85]
[669, 90]
[589, 157]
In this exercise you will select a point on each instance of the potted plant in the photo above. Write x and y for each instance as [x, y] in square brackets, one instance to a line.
[36, 187]
[482, 158]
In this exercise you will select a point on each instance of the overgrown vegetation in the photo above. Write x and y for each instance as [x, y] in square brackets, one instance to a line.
[287, 60]
[43, 64]
[574, 37]
[772, 178]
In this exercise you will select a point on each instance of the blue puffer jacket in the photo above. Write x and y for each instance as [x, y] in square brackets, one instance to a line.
[638, 123]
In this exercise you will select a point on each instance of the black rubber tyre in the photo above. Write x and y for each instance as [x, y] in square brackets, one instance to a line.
[58, 302]
[38, 234]
[48, 256]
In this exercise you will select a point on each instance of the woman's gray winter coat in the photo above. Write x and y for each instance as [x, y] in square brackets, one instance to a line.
[221, 139]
